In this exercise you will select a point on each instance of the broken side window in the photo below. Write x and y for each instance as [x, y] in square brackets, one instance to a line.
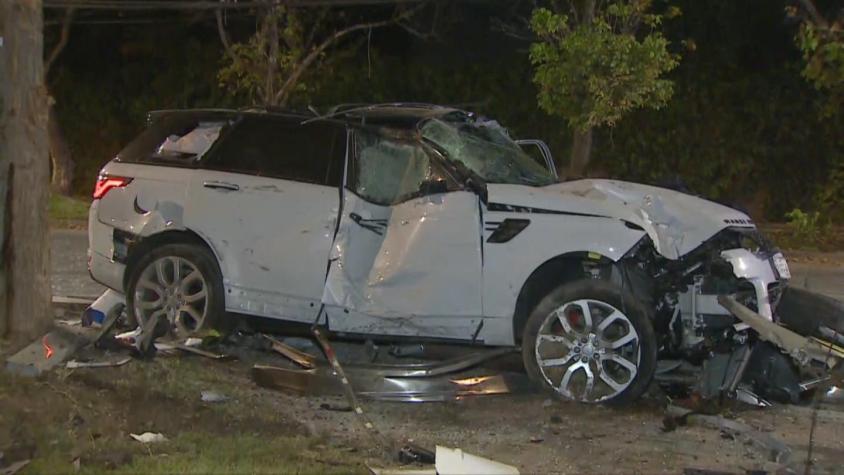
[283, 148]
[193, 144]
[175, 139]
[389, 171]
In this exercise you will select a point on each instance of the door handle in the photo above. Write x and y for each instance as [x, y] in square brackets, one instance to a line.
[221, 185]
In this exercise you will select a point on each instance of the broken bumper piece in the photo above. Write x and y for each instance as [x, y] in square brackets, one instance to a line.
[369, 383]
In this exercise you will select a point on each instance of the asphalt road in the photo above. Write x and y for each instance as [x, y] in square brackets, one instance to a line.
[70, 271]
[69, 260]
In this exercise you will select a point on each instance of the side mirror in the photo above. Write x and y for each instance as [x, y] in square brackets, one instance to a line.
[433, 187]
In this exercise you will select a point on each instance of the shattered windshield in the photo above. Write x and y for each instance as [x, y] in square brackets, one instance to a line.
[487, 150]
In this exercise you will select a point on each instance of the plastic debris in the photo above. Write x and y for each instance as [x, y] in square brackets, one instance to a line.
[73, 364]
[412, 453]
[149, 437]
[213, 397]
[14, 468]
[456, 462]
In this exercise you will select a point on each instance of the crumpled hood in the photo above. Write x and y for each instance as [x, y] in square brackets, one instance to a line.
[676, 222]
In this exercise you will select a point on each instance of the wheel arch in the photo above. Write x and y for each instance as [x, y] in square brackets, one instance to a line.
[550, 274]
[145, 244]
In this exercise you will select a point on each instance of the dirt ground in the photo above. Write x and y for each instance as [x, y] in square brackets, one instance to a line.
[80, 420]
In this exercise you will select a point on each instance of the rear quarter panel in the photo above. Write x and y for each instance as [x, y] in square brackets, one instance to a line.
[153, 202]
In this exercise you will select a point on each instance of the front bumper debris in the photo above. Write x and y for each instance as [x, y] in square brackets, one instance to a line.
[802, 349]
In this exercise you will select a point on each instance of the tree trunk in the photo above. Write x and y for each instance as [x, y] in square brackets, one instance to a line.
[581, 150]
[23, 152]
[272, 52]
[61, 173]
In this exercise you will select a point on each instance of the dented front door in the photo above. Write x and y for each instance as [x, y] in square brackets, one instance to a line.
[411, 264]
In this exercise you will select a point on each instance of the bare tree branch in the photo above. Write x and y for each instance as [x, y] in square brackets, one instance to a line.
[813, 12]
[285, 90]
[65, 35]
[221, 29]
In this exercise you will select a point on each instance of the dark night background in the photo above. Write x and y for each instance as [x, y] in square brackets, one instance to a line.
[743, 125]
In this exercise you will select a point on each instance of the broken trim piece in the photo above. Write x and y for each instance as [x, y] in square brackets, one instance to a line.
[301, 358]
[322, 381]
[798, 347]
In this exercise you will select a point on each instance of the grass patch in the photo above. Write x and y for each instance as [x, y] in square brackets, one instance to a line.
[82, 418]
[66, 208]
[202, 453]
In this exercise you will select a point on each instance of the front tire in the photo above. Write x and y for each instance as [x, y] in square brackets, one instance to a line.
[182, 284]
[590, 341]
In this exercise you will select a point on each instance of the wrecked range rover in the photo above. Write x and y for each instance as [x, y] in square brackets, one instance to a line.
[417, 221]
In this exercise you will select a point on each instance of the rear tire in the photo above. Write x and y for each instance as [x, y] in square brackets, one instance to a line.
[181, 283]
[590, 341]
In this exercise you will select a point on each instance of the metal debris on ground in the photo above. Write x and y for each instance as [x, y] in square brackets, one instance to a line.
[772, 448]
[448, 461]
[456, 462]
[348, 391]
[204, 353]
[412, 453]
[329, 407]
[369, 384]
[103, 308]
[801, 348]
[149, 437]
[47, 352]
[73, 364]
[70, 306]
[212, 397]
[299, 357]
[15, 467]
[402, 471]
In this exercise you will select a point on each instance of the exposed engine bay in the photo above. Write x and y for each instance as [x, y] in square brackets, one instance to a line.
[704, 345]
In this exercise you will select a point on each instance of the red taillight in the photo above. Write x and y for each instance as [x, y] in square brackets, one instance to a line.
[107, 182]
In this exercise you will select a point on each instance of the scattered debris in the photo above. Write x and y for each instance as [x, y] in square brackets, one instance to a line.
[14, 468]
[171, 348]
[149, 437]
[449, 461]
[70, 307]
[192, 342]
[412, 453]
[68, 323]
[456, 462]
[349, 392]
[402, 471]
[773, 449]
[329, 407]
[299, 357]
[205, 353]
[110, 303]
[47, 352]
[369, 384]
[801, 348]
[73, 364]
[212, 397]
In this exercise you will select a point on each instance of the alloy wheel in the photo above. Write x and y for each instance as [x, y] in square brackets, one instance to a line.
[174, 288]
[588, 350]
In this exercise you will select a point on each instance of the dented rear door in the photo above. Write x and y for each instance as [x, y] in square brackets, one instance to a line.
[268, 202]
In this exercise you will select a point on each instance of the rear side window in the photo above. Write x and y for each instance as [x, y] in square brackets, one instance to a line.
[283, 148]
[177, 139]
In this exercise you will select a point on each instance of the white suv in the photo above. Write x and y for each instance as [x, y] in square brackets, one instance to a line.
[408, 220]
